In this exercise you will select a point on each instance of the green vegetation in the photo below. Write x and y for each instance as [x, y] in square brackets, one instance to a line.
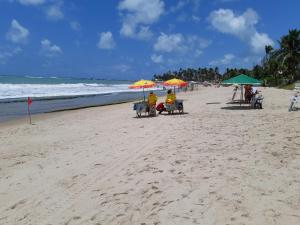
[279, 67]
[289, 86]
[200, 74]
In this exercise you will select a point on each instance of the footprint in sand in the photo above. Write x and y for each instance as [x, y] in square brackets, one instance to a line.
[73, 218]
[18, 203]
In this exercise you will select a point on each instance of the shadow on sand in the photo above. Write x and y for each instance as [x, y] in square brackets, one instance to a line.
[162, 114]
[174, 114]
[236, 102]
[237, 107]
[213, 103]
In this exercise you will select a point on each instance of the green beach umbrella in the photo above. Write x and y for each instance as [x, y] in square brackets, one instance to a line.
[242, 79]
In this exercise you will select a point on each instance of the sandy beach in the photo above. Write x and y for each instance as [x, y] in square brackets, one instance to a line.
[213, 165]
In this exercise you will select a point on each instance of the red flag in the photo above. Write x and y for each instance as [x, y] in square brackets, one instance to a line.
[29, 101]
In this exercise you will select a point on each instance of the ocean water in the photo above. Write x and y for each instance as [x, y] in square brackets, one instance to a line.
[60, 93]
[14, 87]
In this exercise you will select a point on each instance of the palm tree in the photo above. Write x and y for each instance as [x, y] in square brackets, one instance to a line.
[268, 49]
[289, 53]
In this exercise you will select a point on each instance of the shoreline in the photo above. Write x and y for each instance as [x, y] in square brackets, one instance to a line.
[18, 109]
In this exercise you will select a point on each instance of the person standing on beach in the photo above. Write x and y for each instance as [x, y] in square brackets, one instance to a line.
[248, 89]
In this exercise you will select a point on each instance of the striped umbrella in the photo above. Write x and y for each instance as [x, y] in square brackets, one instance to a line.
[142, 84]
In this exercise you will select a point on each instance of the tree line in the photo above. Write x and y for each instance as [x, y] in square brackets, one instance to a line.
[279, 66]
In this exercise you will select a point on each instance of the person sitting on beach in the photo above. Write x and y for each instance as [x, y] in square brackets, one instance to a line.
[253, 94]
[152, 98]
[256, 98]
[294, 100]
[170, 97]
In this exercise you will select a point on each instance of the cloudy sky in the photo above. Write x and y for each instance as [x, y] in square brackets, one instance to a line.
[132, 39]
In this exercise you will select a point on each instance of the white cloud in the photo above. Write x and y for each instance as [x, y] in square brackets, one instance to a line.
[196, 18]
[137, 15]
[169, 43]
[5, 54]
[241, 26]
[198, 52]
[106, 41]
[189, 47]
[54, 12]
[122, 68]
[50, 50]
[197, 42]
[259, 41]
[32, 2]
[144, 33]
[226, 60]
[75, 25]
[225, 21]
[17, 33]
[178, 6]
[179, 43]
[157, 58]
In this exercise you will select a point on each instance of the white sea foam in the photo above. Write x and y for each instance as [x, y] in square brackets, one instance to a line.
[34, 77]
[8, 91]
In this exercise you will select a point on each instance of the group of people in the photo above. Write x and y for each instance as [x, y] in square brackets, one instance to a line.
[152, 98]
[250, 92]
[161, 107]
[251, 96]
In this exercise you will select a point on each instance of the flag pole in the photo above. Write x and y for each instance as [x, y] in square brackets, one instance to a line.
[29, 115]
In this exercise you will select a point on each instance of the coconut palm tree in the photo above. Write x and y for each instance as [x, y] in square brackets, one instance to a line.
[268, 49]
[289, 53]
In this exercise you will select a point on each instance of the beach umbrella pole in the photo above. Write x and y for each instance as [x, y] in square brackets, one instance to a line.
[144, 93]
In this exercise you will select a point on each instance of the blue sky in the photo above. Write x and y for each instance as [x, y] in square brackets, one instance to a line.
[132, 39]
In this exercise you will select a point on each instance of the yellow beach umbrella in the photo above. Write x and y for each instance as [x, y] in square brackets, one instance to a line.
[175, 83]
[142, 84]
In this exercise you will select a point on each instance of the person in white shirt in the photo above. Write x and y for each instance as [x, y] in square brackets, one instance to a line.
[294, 100]
[254, 90]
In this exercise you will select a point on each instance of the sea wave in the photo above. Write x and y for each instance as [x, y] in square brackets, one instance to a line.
[16, 91]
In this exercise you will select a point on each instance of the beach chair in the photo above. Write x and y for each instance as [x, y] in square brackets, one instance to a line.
[177, 105]
[256, 101]
[152, 110]
[140, 107]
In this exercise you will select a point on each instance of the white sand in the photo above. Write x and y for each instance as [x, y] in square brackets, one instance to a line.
[103, 166]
